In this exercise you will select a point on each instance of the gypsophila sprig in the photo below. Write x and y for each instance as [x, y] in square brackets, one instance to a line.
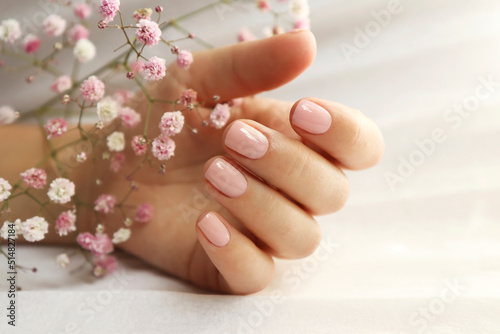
[90, 121]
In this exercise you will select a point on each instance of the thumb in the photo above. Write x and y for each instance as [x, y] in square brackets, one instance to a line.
[249, 68]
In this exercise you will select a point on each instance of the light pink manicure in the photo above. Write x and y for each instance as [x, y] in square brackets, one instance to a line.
[227, 179]
[246, 140]
[311, 117]
[215, 231]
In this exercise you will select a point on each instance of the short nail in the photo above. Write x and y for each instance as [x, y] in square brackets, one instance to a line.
[246, 140]
[215, 231]
[311, 117]
[227, 179]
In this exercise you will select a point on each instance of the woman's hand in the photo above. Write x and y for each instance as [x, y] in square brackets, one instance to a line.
[231, 200]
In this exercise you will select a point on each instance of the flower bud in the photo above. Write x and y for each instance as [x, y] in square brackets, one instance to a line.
[101, 24]
[65, 99]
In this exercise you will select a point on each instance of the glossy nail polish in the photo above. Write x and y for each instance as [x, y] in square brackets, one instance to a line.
[311, 117]
[227, 179]
[215, 231]
[246, 140]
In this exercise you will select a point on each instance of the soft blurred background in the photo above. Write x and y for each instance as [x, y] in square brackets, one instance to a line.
[416, 249]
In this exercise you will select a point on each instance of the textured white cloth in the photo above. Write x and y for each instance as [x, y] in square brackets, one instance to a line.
[418, 255]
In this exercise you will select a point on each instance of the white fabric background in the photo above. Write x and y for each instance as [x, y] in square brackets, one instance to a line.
[395, 252]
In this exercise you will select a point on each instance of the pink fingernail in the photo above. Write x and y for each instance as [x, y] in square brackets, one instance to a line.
[215, 231]
[246, 140]
[227, 179]
[311, 117]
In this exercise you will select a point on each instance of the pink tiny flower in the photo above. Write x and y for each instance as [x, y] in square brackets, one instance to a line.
[171, 123]
[245, 35]
[35, 178]
[108, 9]
[105, 203]
[184, 59]
[85, 240]
[144, 213]
[122, 96]
[159, 9]
[219, 116]
[10, 31]
[163, 147]
[31, 43]
[56, 127]
[82, 10]
[104, 265]
[302, 23]
[8, 115]
[139, 145]
[102, 244]
[188, 96]
[77, 33]
[155, 69]
[148, 32]
[263, 5]
[142, 14]
[65, 223]
[92, 89]
[61, 84]
[54, 25]
[117, 162]
[130, 117]
[137, 66]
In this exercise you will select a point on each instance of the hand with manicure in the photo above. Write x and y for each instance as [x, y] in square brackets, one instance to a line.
[231, 200]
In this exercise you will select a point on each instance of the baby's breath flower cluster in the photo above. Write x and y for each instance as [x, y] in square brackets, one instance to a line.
[93, 96]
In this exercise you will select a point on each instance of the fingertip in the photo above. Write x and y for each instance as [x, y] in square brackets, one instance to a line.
[242, 267]
[213, 229]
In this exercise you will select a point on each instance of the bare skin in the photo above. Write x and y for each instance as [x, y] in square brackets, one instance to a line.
[299, 176]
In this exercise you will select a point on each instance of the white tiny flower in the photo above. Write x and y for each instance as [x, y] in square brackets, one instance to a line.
[116, 141]
[54, 25]
[62, 260]
[299, 8]
[81, 157]
[61, 190]
[84, 50]
[4, 231]
[107, 109]
[4, 189]
[127, 222]
[10, 31]
[121, 235]
[34, 229]
[8, 115]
